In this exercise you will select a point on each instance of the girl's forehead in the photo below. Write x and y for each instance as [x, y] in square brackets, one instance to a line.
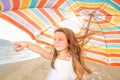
[59, 34]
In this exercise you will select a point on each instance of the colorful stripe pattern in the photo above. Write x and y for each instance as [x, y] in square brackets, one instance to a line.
[39, 18]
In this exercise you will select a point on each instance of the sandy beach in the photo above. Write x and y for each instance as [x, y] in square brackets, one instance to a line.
[36, 69]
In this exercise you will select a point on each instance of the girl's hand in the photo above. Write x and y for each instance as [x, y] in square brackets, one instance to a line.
[19, 46]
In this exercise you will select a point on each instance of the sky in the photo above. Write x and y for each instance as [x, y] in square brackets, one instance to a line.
[10, 32]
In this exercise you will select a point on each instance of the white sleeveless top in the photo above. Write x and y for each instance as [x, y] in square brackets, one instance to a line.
[63, 71]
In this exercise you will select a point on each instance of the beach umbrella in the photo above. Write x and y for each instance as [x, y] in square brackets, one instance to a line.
[100, 18]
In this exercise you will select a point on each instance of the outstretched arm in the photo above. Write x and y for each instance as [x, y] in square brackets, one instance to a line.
[18, 46]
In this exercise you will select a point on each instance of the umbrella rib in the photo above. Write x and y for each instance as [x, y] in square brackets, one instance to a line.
[80, 6]
[105, 41]
[102, 32]
[70, 5]
[86, 32]
[76, 3]
[73, 10]
[107, 1]
[107, 21]
[88, 25]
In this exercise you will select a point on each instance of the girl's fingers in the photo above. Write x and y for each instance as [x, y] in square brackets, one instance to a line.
[17, 46]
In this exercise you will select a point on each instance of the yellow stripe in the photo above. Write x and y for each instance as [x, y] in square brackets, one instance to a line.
[101, 49]
[1, 7]
[110, 10]
[73, 6]
[96, 48]
[34, 18]
[25, 3]
[11, 5]
[115, 22]
[87, 5]
[116, 50]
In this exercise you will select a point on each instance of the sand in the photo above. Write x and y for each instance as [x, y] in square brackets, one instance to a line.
[36, 69]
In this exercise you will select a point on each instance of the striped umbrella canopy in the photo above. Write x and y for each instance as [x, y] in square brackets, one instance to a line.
[39, 18]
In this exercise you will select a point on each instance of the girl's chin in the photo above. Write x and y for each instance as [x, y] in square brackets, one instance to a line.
[59, 50]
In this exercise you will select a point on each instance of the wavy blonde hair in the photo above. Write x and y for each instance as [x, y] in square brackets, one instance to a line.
[79, 65]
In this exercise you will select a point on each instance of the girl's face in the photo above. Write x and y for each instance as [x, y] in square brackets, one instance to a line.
[60, 41]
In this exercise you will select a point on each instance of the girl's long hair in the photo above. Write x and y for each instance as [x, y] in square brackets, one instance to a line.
[79, 65]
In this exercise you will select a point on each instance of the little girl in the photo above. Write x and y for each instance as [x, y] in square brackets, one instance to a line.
[67, 59]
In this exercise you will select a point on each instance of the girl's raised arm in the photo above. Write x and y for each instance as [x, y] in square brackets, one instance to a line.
[18, 46]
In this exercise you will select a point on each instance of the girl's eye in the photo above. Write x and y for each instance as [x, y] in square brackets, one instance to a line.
[60, 39]
[54, 39]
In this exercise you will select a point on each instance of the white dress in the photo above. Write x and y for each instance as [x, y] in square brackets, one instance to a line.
[63, 71]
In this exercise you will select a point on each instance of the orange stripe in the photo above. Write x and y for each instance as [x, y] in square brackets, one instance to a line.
[117, 1]
[107, 16]
[47, 35]
[41, 3]
[112, 32]
[59, 3]
[42, 42]
[59, 14]
[0, 8]
[50, 19]
[115, 55]
[25, 3]
[95, 60]
[115, 64]
[97, 39]
[113, 41]
[92, 31]
[102, 33]
[48, 16]
[28, 19]
[103, 40]
[33, 23]
[96, 52]
[7, 18]
[102, 62]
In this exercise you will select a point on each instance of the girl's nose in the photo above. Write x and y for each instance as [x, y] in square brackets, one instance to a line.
[56, 41]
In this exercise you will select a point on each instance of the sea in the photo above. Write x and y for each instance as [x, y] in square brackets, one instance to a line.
[9, 55]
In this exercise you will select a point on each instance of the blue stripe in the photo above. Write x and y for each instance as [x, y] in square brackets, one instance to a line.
[97, 43]
[113, 45]
[67, 4]
[116, 28]
[92, 1]
[41, 17]
[33, 3]
[64, 13]
[114, 5]
[104, 45]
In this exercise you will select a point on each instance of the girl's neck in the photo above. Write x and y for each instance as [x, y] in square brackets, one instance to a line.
[64, 55]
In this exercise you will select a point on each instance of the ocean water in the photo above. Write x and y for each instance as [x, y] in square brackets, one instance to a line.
[9, 55]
